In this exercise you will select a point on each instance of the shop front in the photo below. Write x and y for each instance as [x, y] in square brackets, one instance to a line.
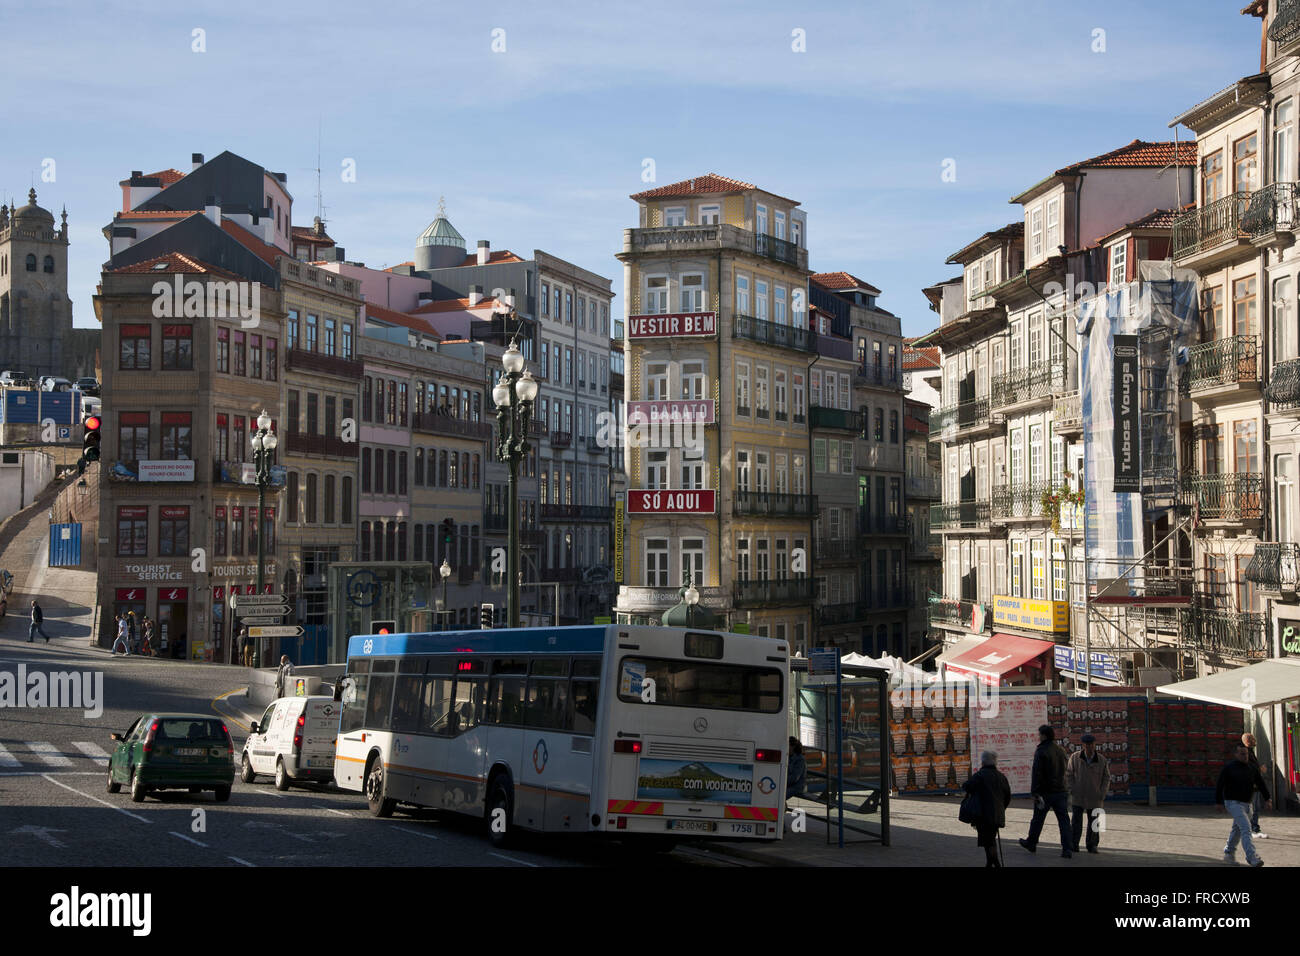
[1005, 660]
[173, 624]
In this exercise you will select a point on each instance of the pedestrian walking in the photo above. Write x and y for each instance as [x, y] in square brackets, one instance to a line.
[121, 636]
[1088, 777]
[282, 675]
[796, 775]
[1049, 791]
[1238, 782]
[147, 649]
[991, 790]
[37, 618]
[245, 647]
[1256, 799]
[133, 632]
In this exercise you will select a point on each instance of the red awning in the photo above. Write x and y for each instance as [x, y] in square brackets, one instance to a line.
[999, 655]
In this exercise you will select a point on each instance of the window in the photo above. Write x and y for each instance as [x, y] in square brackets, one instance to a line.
[778, 221]
[709, 214]
[176, 436]
[1284, 322]
[309, 501]
[134, 347]
[742, 388]
[674, 215]
[1059, 585]
[742, 295]
[568, 308]
[893, 426]
[173, 531]
[1245, 164]
[1245, 447]
[656, 294]
[546, 361]
[879, 423]
[846, 458]
[31, 262]
[1017, 568]
[178, 347]
[133, 531]
[310, 343]
[1213, 325]
[347, 340]
[254, 356]
[1036, 232]
[313, 414]
[345, 501]
[760, 299]
[236, 531]
[1245, 318]
[762, 409]
[329, 336]
[656, 562]
[1038, 570]
[693, 475]
[240, 353]
[1285, 480]
[760, 220]
[1053, 225]
[657, 469]
[291, 329]
[692, 293]
[133, 437]
[219, 531]
[819, 456]
[797, 408]
[1212, 177]
[779, 394]
[237, 445]
[1118, 263]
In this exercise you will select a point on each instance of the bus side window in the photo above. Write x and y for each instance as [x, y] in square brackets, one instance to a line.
[439, 716]
[378, 702]
[354, 713]
[584, 693]
[406, 704]
[548, 703]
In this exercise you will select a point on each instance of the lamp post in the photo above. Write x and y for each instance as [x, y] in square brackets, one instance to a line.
[264, 443]
[444, 572]
[513, 396]
[692, 598]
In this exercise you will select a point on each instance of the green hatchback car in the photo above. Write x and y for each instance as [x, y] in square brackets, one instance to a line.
[173, 752]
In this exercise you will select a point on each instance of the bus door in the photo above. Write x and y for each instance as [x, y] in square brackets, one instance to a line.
[556, 765]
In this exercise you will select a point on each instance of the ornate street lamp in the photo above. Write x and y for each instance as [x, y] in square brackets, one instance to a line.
[513, 397]
[687, 612]
[264, 444]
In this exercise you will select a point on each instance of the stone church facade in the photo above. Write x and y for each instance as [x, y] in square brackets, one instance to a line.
[35, 312]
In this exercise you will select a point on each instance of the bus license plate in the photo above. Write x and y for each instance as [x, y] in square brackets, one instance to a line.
[703, 826]
[743, 828]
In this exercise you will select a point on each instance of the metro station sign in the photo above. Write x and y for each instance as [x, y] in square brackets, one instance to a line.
[673, 325]
[672, 501]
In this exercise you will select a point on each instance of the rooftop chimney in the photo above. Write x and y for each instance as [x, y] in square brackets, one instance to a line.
[484, 251]
[137, 173]
[476, 291]
[196, 160]
[212, 209]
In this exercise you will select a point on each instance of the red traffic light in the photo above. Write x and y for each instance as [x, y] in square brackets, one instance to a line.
[383, 630]
[92, 423]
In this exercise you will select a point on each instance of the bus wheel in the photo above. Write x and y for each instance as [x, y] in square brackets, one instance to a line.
[380, 805]
[500, 810]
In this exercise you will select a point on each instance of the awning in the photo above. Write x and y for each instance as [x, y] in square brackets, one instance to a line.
[1255, 685]
[999, 655]
[959, 648]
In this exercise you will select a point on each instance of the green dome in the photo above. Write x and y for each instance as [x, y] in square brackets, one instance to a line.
[441, 233]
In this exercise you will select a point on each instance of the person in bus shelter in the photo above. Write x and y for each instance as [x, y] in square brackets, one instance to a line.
[797, 773]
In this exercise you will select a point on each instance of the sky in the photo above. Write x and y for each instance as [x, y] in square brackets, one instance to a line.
[536, 120]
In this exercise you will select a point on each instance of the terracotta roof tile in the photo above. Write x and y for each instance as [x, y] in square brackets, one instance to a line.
[168, 176]
[309, 233]
[453, 305]
[925, 357]
[399, 265]
[1140, 154]
[699, 186]
[842, 280]
[172, 262]
[503, 255]
[158, 214]
[400, 318]
[267, 253]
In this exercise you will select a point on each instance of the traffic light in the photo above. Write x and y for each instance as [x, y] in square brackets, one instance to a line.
[448, 529]
[485, 612]
[90, 438]
[383, 627]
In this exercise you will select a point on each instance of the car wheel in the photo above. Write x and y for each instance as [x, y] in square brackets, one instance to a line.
[113, 786]
[138, 789]
[246, 771]
[380, 805]
[223, 793]
[281, 775]
[500, 808]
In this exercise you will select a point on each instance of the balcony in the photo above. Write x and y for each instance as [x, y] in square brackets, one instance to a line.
[1067, 413]
[1271, 210]
[1284, 31]
[1283, 389]
[594, 446]
[972, 414]
[685, 240]
[962, 515]
[773, 504]
[432, 423]
[829, 615]
[1223, 364]
[1226, 633]
[883, 524]
[954, 613]
[537, 428]
[561, 439]
[834, 418]
[560, 512]
[495, 522]
[1210, 233]
[878, 376]
[296, 443]
[616, 383]
[786, 592]
[1274, 567]
[923, 486]
[301, 360]
[771, 333]
[595, 513]
[928, 548]
[1019, 502]
[836, 549]
[1039, 380]
[1229, 498]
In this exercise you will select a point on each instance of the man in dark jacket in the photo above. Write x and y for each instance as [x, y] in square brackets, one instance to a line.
[993, 791]
[1256, 801]
[37, 618]
[1237, 785]
[1088, 777]
[1049, 791]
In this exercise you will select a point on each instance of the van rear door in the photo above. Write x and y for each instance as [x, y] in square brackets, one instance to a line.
[320, 729]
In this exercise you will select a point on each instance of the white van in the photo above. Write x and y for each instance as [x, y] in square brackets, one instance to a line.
[294, 740]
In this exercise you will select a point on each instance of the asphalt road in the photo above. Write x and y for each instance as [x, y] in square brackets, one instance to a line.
[55, 811]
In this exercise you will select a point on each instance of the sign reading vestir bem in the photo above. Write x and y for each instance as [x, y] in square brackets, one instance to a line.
[1127, 441]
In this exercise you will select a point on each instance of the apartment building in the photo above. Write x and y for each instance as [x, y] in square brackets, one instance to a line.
[717, 462]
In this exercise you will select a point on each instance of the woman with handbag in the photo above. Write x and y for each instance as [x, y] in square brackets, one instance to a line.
[988, 794]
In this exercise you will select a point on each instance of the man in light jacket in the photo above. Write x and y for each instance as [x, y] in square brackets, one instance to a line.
[1088, 776]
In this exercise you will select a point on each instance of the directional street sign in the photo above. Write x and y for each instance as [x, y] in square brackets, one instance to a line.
[267, 610]
[257, 600]
[250, 621]
[285, 630]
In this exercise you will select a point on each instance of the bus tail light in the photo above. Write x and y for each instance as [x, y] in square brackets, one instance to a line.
[148, 741]
[767, 756]
[627, 746]
[622, 823]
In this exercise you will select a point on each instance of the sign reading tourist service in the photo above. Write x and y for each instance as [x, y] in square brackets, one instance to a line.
[671, 501]
[679, 325]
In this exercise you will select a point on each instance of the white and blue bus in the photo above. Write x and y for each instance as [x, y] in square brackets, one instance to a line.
[615, 729]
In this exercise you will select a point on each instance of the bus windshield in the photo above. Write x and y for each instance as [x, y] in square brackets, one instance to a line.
[679, 683]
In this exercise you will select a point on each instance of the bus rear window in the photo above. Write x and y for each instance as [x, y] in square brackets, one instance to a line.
[695, 684]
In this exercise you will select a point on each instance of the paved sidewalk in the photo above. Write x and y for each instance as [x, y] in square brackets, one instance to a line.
[925, 831]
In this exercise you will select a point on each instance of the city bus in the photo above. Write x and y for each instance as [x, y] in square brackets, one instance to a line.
[644, 733]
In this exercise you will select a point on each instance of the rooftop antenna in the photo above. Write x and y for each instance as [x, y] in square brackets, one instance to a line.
[320, 198]
[442, 207]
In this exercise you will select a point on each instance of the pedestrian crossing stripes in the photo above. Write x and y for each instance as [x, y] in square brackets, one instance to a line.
[93, 751]
[7, 759]
[49, 753]
[36, 755]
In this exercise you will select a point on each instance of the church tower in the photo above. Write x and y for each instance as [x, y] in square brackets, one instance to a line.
[35, 311]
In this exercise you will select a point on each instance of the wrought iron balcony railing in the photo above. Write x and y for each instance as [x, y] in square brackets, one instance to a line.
[1283, 388]
[776, 504]
[1020, 501]
[594, 446]
[1271, 209]
[962, 415]
[1208, 226]
[496, 522]
[561, 439]
[1274, 567]
[944, 610]
[787, 591]
[869, 523]
[306, 361]
[836, 549]
[1230, 497]
[772, 333]
[778, 249]
[929, 546]
[297, 443]
[559, 512]
[1230, 633]
[829, 615]
[1285, 28]
[923, 486]
[436, 424]
[834, 418]
[1223, 362]
[963, 514]
[879, 376]
[1039, 380]
[537, 428]
[1067, 411]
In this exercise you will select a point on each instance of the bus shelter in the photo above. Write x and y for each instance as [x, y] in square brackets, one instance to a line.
[848, 756]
